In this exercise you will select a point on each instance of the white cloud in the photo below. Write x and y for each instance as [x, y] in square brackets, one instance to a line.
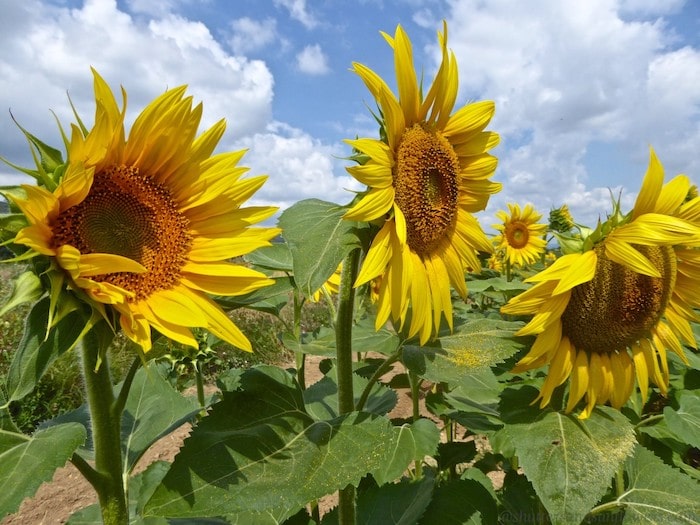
[565, 75]
[299, 166]
[299, 11]
[252, 35]
[312, 60]
[52, 49]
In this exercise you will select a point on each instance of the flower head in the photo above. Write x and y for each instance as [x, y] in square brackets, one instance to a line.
[560, 219]
[610, 312]
[426, 176]
[147, 224]
[521, 237]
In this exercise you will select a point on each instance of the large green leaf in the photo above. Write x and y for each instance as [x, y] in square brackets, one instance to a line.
[319, 239]
[478, 345]
[259, 451]
[37, 350]
[27, 462]
[364, 339]
[153, 409]
[270, 299]
[458, 502]
[272, 258]
[569, 461]
[685, 422]
[658, 493]
[396, 503]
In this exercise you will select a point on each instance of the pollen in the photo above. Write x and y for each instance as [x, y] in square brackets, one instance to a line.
[129, 214]
[619, 306]
[426, 181]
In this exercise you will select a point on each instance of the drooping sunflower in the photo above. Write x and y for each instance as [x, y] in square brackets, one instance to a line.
[611, 311]
[521, 237]
[426, 175]
[147, 224]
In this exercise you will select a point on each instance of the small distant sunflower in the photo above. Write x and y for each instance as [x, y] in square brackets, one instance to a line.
[609, 313]
[147, 224]
[521, 238]
[495, 262]
[426, 176]
[560, 219]
[331, 286]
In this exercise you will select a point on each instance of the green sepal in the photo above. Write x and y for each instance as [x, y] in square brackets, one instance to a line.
[27, 288]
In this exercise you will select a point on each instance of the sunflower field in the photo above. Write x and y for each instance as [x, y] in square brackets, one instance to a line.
[552, 367]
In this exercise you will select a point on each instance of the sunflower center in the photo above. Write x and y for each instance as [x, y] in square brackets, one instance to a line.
[130, 215]
[517, 234]
[426, 187]
[618, 307]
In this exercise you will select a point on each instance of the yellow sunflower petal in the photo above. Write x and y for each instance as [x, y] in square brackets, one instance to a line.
[651, 187]
[373, 205]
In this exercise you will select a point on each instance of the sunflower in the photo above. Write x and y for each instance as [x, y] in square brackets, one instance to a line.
[331, 286]
[611, 311]
[426, 176]
[147, 224]
[521, 237]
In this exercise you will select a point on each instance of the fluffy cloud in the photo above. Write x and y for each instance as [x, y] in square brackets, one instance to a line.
[251, 35]
[299, 166]
[566, 75]
[147, 57]
[299, 12]
[312, 60]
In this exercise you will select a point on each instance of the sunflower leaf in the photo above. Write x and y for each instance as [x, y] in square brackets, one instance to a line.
[319, 239]
[476, 346]
[35, 458]
[259, 451]
[658, 493]
[37, 349]
[685, 422]
[570, 462]
[461, 501]
[276, 258]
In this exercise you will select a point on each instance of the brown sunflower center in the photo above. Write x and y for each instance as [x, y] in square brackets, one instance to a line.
[426, 185]
[619, 306]
[133, 216]
[517, 234]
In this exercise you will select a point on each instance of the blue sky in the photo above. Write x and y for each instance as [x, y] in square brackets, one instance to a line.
[582, 89]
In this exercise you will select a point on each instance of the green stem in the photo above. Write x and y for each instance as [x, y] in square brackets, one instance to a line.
[300, 357]
[381, 370]
[199, 380]
[620, 480]
[415, 382]
[343, 343]
[106, 432]
[508, 270]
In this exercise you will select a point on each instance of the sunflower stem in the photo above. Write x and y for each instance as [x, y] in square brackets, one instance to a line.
[105, 418]
[299, 357]
[343, 343]
[379, 372]
[415, 382]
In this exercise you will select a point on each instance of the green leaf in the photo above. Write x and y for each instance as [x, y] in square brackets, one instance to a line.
[396, 503]
[658, 493]
[272, 258]
[569, 461]
[685, 422]
[478, 345]
[410, 443]
[463, 501]
[153, 409]
[319, 239]
[11, 224]
[27, 288]
[259, 451]
[321, 398]
[364, 339]
[38, 350]
[270, 299]
[27, 462]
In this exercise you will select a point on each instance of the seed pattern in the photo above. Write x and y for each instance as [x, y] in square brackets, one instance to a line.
[517, 234]
[619, 306]
[426, 184]
[129, 214]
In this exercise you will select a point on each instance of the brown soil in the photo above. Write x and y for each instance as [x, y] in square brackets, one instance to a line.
[68, 491]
